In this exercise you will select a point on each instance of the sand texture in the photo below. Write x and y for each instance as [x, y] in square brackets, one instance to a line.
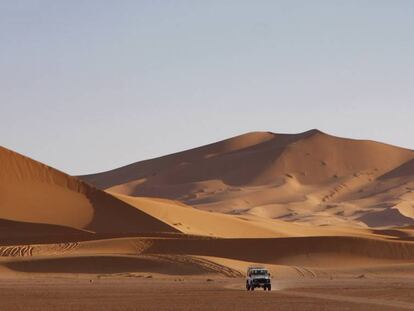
[332, 219]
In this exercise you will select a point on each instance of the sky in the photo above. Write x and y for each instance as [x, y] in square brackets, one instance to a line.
[88, 86]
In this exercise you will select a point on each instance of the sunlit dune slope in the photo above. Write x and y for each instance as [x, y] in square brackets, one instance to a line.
[197, 222]
[31, 192]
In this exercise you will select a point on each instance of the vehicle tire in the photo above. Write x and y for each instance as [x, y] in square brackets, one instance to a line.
[269, 288]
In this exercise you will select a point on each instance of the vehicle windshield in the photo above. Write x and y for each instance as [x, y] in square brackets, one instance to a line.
[259, 272]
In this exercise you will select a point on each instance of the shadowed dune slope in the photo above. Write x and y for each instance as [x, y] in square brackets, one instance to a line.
[178, 162]
[31, 192]
[16, 232]
[318, 251]
[106, 264]
[308, 177]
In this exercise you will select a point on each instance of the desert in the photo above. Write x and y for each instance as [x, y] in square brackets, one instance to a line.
[330, 217]
[206, 155]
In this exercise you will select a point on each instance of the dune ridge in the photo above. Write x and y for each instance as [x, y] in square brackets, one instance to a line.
[32, 192]
[310, 177]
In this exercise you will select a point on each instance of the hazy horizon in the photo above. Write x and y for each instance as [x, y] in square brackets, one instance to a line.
[88, 86]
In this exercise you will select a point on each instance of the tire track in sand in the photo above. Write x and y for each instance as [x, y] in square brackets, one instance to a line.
[16, 251]
[33, 250]
[304, 272]
[204, 264]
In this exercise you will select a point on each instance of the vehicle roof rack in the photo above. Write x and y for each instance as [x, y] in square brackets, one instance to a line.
[256, 267]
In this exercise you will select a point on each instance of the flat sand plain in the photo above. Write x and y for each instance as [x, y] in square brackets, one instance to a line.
[213, 293]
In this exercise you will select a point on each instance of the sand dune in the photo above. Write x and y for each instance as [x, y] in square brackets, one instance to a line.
[15, 232]
[174, 256]
[193, 221]
[304, 205]
[197, 222]
[31, 192]
[306, 251]
[165, 265]
[309, 177]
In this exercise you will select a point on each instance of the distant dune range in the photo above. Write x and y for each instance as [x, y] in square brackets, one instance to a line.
[309, 177]
[306, 205]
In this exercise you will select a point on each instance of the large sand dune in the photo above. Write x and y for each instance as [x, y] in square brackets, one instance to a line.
[31, 192]
[308, 177]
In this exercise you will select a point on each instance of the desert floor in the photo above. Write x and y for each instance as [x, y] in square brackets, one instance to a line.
[188, 293]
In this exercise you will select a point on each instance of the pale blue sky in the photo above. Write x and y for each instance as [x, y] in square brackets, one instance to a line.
[87, 86]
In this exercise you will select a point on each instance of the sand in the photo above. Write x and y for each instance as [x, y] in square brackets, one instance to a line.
[35, 193]
[311, 177]
[142, 293]
[331, 218]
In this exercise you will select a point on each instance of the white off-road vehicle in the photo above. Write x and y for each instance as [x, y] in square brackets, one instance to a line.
[258, 277]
